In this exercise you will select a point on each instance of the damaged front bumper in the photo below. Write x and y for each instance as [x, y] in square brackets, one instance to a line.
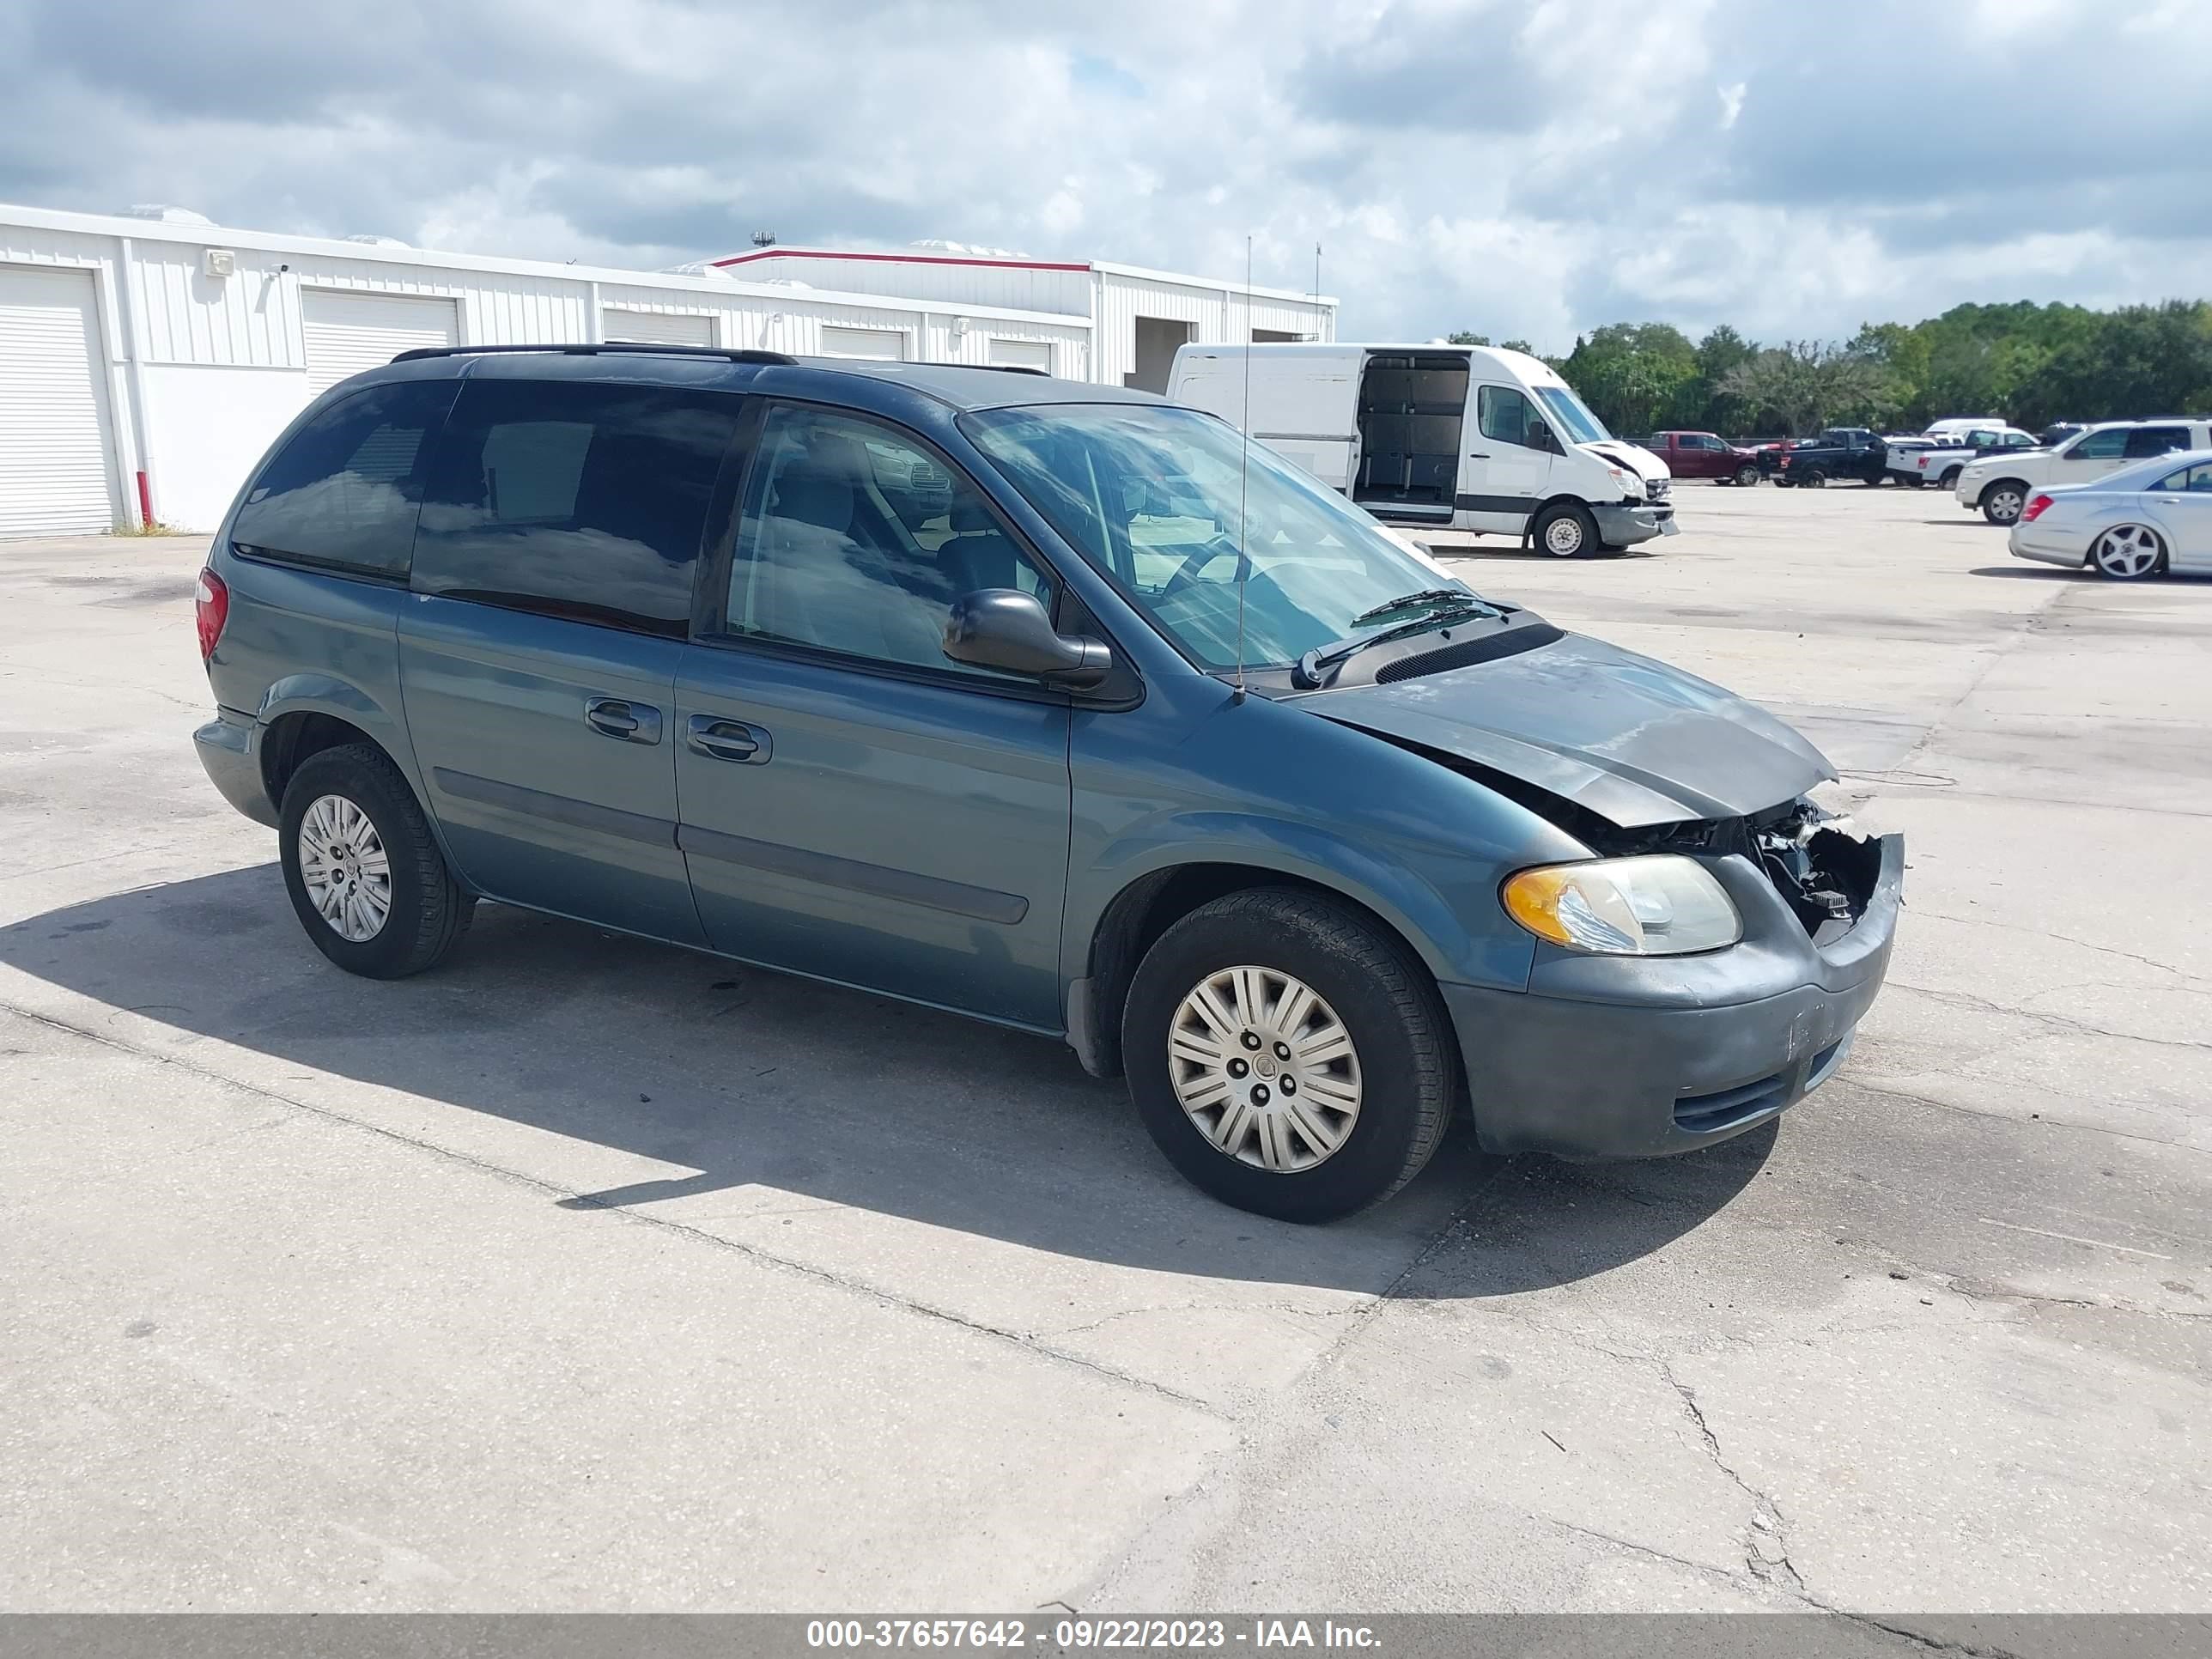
[1625, 524]
[1607, 1056]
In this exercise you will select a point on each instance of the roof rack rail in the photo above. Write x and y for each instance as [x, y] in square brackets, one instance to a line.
[745, 355]
[995, 368]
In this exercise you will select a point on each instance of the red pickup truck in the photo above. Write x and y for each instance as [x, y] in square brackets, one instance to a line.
[1703, 455]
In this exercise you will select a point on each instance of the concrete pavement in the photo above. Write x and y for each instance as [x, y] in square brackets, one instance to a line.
[587, 1273]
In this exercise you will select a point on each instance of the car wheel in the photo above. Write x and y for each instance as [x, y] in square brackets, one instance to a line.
[1289, 1056]
[1566, 531]
[1746, 476]
[1950, 479]
[1911, 481]
[2127, 553]
[1812, 478]
[2002, 501]
[366, 875]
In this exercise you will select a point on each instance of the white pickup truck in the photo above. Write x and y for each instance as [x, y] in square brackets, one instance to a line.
[1938, 456]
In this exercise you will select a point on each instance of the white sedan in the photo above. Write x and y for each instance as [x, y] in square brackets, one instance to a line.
[2143, 521]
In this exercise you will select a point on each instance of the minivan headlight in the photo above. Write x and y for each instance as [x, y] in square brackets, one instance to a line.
[1660, 904]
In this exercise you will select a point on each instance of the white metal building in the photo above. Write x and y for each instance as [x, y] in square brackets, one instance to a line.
[1137, 318]
[148, 359]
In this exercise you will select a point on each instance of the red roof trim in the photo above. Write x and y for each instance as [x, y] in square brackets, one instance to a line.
[897, 259]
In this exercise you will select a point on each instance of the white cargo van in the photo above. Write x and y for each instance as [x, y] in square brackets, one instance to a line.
[1439, 437]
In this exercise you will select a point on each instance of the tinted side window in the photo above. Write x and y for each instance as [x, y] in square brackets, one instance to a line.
[2147, 440]
[580, 501]
[2100, 447]
[1502, 413]
[2197, 478]
[344, 493]
[855, 539]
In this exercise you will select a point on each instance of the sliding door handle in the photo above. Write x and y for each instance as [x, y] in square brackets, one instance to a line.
[631, 722]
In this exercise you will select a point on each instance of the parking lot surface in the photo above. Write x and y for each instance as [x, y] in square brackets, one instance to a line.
[590, 1274]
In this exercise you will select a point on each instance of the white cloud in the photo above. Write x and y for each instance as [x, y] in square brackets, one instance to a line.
[1518, 168]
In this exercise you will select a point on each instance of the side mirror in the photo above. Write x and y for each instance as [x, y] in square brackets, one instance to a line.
[1539, 437]
[1005, 629]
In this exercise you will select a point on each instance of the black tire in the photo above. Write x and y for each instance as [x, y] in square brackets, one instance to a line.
[1377, 989]
[1812, 478]
[2114, 567]
[1549, 527]
[1746, 476]
[1950, 479]
[1911, 481]
[429, 911]
[2002, 501]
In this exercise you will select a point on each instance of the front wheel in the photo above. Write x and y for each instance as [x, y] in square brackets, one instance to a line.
[364, 874]
[1289, 1056]
[2002, 501]
[2127, 553]
[1566, 531]
[1746, 476]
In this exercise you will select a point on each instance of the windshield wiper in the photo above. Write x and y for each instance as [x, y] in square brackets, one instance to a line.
[1310, 671]
[1426, 595]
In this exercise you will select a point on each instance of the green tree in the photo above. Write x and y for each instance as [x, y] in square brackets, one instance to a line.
[1634, 375]
[1805, 384]
[1463, 338]
[1720, 353]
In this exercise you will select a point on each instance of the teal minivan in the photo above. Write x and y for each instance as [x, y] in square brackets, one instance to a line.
[1051, 704]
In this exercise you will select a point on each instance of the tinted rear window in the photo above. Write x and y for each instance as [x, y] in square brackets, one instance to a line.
[587, 501]
[344, 492]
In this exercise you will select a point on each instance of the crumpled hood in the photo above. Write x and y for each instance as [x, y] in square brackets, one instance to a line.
[1635, 457]
[1632, 740]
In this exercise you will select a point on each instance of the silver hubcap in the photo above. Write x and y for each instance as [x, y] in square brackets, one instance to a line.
[1265, 1068]
[2006, 505]
[343, 868]
[1564, 537]
[2126, 550]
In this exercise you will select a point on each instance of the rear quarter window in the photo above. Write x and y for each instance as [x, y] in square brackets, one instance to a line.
[344, 492]
[587, 502]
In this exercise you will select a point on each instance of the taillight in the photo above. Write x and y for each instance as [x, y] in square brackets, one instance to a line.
[2034, 509]
[210, 611]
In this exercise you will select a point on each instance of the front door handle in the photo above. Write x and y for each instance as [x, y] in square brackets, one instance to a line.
[727, 740]
[1478, 454]
[616, 717]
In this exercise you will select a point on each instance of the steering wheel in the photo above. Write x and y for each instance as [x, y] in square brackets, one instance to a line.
[1186, 572]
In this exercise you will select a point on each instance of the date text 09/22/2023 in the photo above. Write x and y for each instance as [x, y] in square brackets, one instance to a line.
[1165, 1635]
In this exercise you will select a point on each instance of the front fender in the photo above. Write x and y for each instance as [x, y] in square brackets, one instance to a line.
[1444, 905]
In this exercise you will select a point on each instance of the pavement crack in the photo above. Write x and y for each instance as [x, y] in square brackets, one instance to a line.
[1921, 911]
[1976, 1292]
[1907, 1095]
[1765, 1544]
[2057, 1022]
[585, 1201]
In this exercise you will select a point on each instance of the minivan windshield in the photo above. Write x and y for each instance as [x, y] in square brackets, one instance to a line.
[1155, 497]
[1572, 415]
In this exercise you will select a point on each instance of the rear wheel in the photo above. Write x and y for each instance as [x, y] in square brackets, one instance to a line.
[1746, 476]
[1812, 478]
[1566, 531]
[364, 874]
[2002, 501]
[2127, 553]
[1288, 1056]
[1950, 479]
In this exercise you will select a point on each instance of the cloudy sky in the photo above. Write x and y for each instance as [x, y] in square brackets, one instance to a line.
[1528, 168]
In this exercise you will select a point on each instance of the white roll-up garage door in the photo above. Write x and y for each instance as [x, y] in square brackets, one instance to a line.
[346, 333]
[1023, 354]
[56, 477]
[885, 344]
[655, 327]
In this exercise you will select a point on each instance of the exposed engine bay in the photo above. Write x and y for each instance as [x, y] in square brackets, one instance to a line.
[1823, 866]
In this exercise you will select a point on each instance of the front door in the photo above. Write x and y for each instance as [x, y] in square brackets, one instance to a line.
[856, 806]
[553, 577]
[2182, 502]
[1505, 476]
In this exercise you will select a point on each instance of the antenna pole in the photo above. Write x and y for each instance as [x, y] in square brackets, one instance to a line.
[1244, 476]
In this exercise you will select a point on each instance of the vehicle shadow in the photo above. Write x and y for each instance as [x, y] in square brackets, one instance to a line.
[759, 1088]
[2053, 573]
